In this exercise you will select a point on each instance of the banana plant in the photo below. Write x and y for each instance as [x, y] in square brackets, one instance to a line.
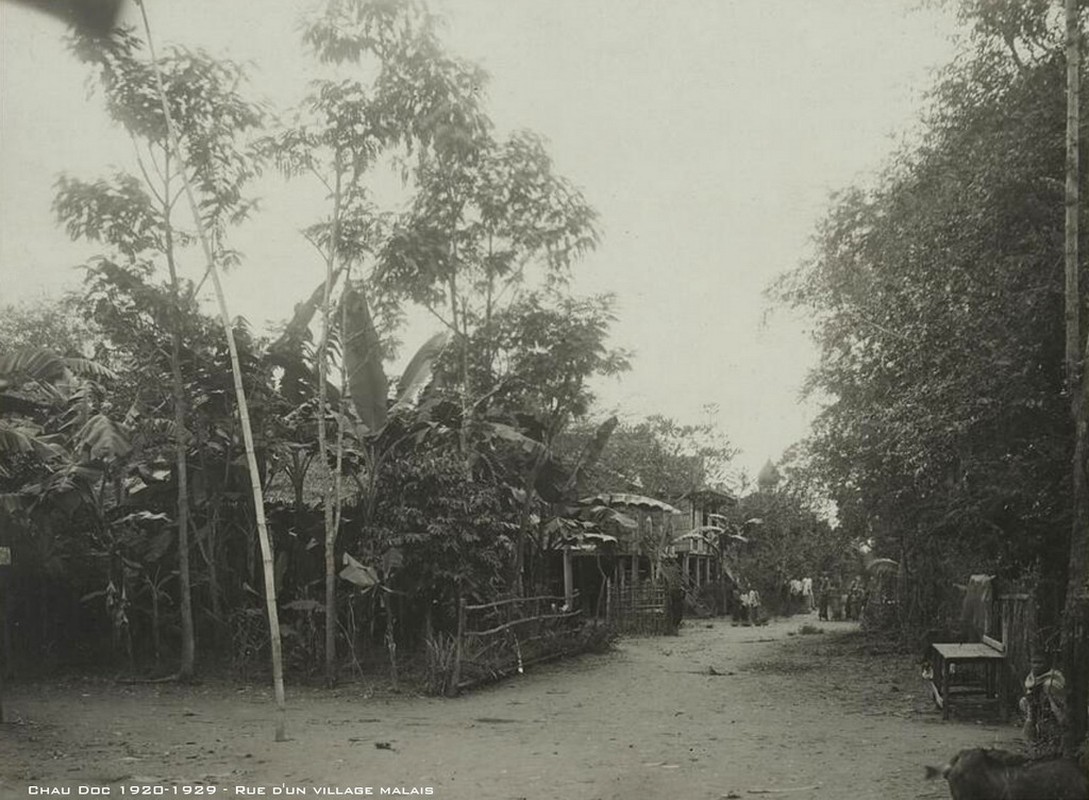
[546, 478]
[35, 384]
[47, 418]
[382, 426]
[378, 428]
[33, 381]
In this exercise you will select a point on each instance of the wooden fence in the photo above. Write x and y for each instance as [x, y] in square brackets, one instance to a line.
[1015, 629]
[504, 637]
[642, 610]
[1017, 623]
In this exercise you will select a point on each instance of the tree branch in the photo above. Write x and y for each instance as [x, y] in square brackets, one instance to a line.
[143, 170]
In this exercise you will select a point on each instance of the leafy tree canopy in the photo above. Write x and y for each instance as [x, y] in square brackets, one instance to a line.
[937, 298]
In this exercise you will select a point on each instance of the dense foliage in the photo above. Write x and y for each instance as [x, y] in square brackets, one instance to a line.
[123, 484]
[938, 300]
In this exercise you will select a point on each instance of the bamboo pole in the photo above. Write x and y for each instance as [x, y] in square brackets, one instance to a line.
[240, 395]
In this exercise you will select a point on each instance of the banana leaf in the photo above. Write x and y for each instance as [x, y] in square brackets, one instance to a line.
[593, 450]
[297, 330]
[363, 576]
[35, 364]
[103, 438]
[418, 371]
[363, 361]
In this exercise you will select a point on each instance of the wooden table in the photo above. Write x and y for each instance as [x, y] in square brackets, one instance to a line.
[945, 657]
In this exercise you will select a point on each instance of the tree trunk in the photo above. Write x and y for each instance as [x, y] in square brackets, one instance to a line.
[214, 590]
[240, 394]
[391, 639]
[517, 582]
[5, 640]
[153, 585]
[1073, 295]
[330, 494]
[299, 466]
[181, 446]
[1076, 673]
[210, 553]
[462, 337]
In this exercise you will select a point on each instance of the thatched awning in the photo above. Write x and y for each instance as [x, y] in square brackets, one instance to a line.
[623, 499]
[587, 541]
[711, 497]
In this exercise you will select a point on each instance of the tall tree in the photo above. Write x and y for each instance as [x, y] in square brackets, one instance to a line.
[210, 259]
[134, 216]
[938, 298]
[420, 100]
[489, 218]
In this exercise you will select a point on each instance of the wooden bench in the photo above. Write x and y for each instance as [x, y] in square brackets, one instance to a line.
[983, 661]
[989, 654]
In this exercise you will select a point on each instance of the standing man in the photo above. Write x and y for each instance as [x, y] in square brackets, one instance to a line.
[754, 606]
[824, 593]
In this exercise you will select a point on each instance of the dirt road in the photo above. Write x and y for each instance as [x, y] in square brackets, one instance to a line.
[717, 712]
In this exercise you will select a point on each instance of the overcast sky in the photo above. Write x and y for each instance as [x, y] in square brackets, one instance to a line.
[707, 133]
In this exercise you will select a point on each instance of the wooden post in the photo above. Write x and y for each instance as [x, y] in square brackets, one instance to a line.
[945, 688]
[608, 600]
[568, 579]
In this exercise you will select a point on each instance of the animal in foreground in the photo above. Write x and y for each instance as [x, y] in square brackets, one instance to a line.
[979, 774]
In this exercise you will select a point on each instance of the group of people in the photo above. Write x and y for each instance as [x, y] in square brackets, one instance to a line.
[798, 596]
[835, 603]
[801, 596]
[746, 607]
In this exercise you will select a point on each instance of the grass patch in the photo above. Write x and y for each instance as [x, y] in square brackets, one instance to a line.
[808, 630]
